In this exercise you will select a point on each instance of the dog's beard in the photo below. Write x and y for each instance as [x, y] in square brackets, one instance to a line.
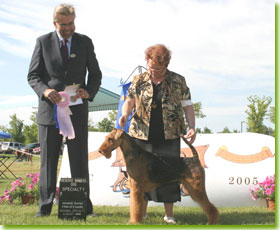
[108, 155]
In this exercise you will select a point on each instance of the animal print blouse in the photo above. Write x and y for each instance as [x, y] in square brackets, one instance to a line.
[174, 90]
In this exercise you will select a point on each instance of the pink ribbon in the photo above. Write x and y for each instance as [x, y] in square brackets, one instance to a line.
[63, 116]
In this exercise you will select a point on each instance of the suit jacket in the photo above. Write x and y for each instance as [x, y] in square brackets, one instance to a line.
[47, 71]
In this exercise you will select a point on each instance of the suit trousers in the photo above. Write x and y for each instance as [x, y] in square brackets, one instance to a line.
[50, 145]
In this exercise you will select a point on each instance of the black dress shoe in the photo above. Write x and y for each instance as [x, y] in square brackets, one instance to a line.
[39, 214]
[92, 214]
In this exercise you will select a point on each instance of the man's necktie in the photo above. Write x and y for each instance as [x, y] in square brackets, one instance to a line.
[64, 52]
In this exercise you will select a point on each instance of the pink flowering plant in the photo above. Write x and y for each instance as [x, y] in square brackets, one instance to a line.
[265, 189]
[56, 199]
[22, 187]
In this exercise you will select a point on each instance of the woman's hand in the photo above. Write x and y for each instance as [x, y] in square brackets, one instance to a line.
[123, 119]
[191, 134]
[126, 111]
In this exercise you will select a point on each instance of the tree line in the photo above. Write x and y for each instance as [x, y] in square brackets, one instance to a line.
[258, 110]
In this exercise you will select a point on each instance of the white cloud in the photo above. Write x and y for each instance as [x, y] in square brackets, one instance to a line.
[224, 48]
[95, 117]
[22, 106]
[21, 23]
[233, 37]
[18, 100]
[224, 111]
[22, 113]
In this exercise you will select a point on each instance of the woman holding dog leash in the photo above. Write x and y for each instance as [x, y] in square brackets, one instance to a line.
[159, 97]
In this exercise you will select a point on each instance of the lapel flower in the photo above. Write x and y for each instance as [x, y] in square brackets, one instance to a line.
[72, 55]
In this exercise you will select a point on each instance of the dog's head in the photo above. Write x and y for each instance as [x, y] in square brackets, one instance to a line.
[112, 141]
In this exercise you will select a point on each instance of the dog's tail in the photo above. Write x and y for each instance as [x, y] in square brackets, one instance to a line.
[195, 154]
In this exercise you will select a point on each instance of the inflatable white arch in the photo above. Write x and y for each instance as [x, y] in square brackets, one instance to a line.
[235, 162]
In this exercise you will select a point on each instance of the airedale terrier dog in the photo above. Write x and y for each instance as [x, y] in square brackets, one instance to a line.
[147, 171]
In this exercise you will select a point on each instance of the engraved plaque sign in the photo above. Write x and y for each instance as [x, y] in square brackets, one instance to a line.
[72, 198]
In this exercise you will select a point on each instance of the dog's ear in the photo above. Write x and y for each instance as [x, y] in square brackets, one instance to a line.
[118, 134]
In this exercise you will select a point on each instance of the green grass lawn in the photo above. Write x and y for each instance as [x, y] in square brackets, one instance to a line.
[18, 214]
[114, 215]
[20, 169]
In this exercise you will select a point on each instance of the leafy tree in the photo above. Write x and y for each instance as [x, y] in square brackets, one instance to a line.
[31, 131]
[15, 129]
[206, 130]
[271, 114]
[91, 126]
[198, 130]
[226, 130]
[198, 110]
[197, 113]
[3, 128]
[235, 131]
[256, 113]
[105, 125]
[270, 131]
[113, 116]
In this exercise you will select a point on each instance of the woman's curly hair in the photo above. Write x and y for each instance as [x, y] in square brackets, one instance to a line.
[159, 54]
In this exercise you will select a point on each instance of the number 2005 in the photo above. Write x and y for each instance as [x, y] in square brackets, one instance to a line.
[243, 180]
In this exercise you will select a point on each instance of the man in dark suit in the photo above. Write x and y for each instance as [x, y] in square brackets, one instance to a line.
[62, 58]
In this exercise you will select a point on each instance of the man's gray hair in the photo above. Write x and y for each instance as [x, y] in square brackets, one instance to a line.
[63, 9]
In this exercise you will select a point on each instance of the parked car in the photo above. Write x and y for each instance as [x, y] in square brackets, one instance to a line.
[8, 147]
[30, 147]
[37, 149]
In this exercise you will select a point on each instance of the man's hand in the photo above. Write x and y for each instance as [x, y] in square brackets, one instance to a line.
[52, 95]
[82, 93]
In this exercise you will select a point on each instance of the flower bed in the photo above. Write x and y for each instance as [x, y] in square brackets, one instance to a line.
[28, 187]
[265, 189]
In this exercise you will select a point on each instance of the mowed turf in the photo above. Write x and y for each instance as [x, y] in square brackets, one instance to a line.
[18, 214]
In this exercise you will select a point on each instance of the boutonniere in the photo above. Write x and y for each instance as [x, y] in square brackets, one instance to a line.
[72, 55]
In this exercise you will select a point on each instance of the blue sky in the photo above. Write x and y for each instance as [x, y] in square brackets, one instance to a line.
[225, 49]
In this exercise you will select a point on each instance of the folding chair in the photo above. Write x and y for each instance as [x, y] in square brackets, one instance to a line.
[6, 167]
